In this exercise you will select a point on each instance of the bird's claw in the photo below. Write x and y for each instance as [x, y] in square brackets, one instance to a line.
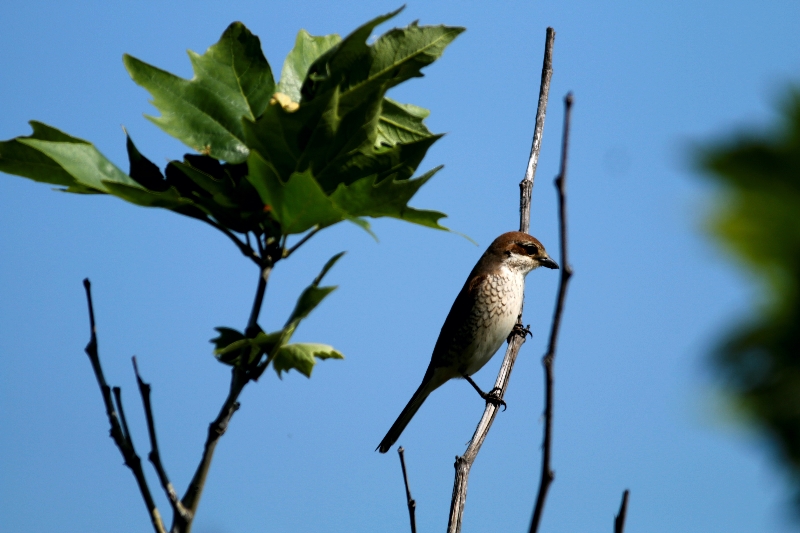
[493, 397]
[519, 330]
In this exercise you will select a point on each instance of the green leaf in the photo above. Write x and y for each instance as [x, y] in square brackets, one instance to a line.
[396, 56]
[231, 80]
[401, 123]
[81, 160]
[233, 348]
[350, 57]
[387, 198]
[307, 49]
[297, 205]
[26, 161]
[301, 357]
[310, 298]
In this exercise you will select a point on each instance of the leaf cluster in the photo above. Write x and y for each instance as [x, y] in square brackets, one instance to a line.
[321, 146]
[758, 219]
[254, 353]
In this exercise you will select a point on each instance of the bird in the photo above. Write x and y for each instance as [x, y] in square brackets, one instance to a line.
[483, 315]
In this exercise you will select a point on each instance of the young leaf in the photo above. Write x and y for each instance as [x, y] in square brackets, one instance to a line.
[310, 298]
[301, 357]
[231, 80]
[307, 48]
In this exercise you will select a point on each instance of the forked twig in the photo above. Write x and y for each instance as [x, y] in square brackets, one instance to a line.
[547, 474]
[464, 463]
[119, 432]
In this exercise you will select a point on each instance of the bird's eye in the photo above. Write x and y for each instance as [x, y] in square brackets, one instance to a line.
[531, 249]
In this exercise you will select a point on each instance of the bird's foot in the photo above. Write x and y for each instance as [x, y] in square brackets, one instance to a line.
[493, 397]
[519, 330]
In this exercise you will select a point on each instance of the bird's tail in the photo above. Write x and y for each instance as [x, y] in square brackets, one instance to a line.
[429, 384]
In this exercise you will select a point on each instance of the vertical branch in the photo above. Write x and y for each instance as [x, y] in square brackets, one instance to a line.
[547, 474]
[464, 462]
[412, 505]
[239, 378]
[526, 185]
[119, 432]
[619, 520]
[179, 512]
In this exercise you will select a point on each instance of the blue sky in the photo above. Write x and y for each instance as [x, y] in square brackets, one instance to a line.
[636, 402]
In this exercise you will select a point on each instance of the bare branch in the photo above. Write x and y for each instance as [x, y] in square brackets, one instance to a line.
[547, 474]
[526, 185]
[517, 338]
[155, 456]
[619, 520]
[216, 429]
[239, 378]
[119, 432]
[412, 505]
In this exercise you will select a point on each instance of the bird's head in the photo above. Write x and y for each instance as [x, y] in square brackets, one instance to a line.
[519, 251]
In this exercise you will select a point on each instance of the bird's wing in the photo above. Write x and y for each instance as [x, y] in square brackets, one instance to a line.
[458, 328]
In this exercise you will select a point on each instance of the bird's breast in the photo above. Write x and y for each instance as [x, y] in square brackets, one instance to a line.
[496, 306]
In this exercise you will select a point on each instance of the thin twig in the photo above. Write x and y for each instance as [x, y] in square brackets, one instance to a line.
[301, 242]
[245, 248]
[547, 474]
[464, 463]
[619, 520]
[155, 456]
[121, 436]
[412, 505]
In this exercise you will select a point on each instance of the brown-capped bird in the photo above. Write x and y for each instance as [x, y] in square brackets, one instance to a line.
[481, 318]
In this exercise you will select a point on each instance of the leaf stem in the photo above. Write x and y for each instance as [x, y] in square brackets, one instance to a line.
[301, 242]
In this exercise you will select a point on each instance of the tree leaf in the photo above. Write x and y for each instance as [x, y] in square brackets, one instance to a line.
[22, 160]
[301, 357]
[387, 198]
[298, 204]
[310, 298]
[81, 160]
[231, 80]
[307, 48]
[396, 56]
[350, 57]
[401, 123]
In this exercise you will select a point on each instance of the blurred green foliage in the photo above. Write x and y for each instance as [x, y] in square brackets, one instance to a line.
[758, 219]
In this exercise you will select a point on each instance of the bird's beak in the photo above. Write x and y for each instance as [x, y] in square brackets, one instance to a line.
[547, 262]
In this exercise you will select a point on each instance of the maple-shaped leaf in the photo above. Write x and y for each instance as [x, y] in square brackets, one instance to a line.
[231, 80]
